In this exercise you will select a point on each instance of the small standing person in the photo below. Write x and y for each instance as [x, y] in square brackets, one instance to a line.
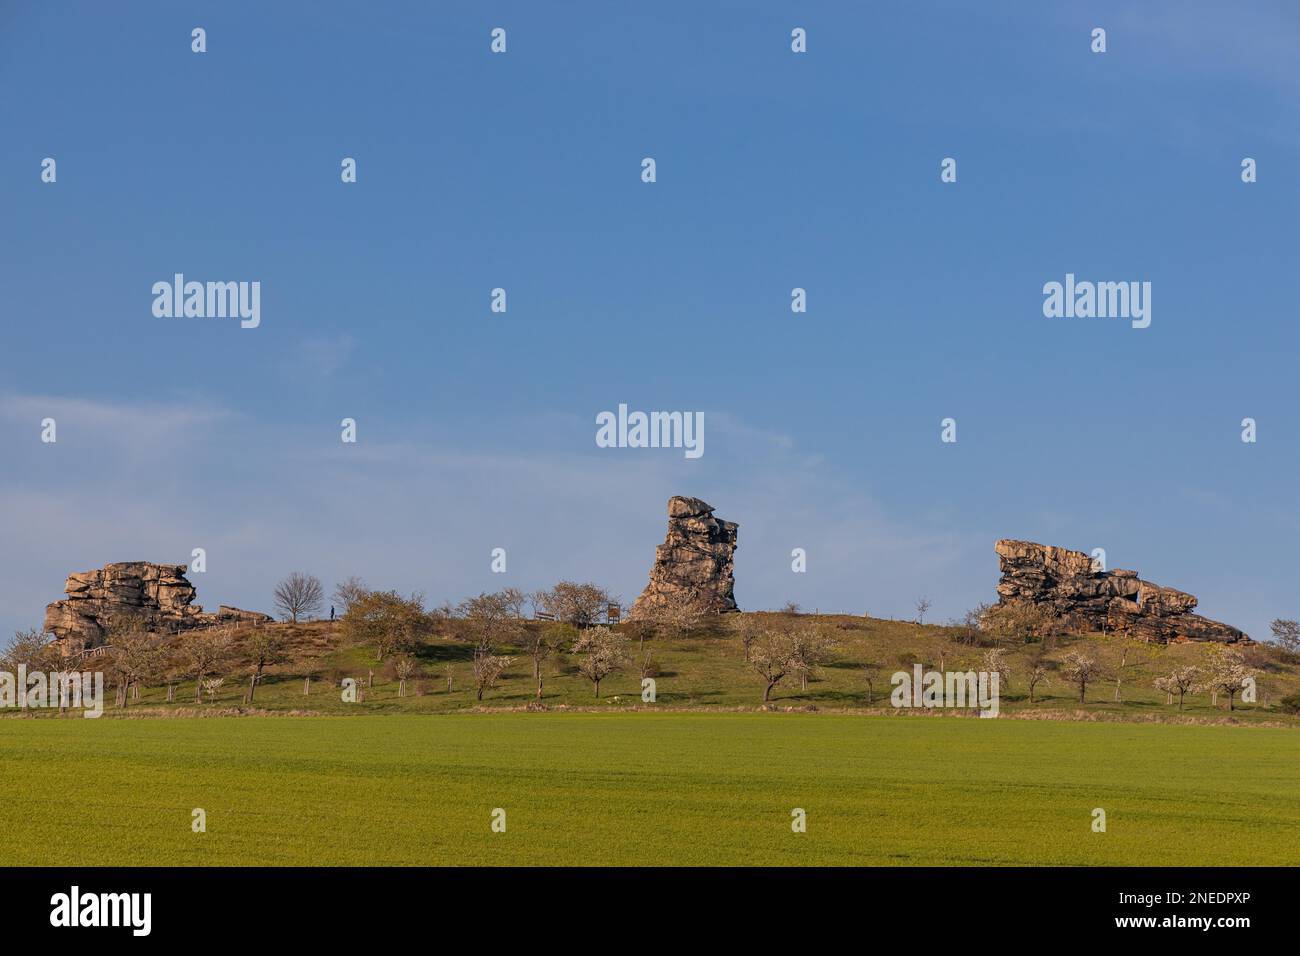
[331, 612]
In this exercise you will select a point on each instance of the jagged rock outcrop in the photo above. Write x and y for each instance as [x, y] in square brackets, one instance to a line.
[1084, 597]
[693, 568]
[158, 595]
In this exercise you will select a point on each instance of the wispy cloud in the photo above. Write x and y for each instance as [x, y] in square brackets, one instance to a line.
[141, 420]
[322, 356]
[411, 514]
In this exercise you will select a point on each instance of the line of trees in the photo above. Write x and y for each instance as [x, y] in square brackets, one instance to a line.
[779, 648]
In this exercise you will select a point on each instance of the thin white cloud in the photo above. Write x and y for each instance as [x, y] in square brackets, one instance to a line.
[412, 514]
[323, 356]
[140, 419]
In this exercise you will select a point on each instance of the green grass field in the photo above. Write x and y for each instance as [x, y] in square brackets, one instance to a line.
[647, 789]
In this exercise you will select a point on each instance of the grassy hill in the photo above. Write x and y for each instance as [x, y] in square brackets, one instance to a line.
[707, 670]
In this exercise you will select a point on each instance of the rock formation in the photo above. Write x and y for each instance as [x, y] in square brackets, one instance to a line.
[693, 567]
[158, 595]
[1085, 597]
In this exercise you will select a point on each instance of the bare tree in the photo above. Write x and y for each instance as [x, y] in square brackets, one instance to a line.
[995, 662]
[1081, 670]
[538, 646]
[639, 630]
[488, 669]
[204, 653]
[25, 648]
[299, 594]
[577, 604]
[403, 667]
[1018, 623]
[514, 601]
[1286, 633]
[348, 592]
[263, 647]
[604, 652]
[870, 671]
[136, 658]
[1036, 673]
[810, 648]
[747, 628]
[1122, 667]
[1179, 681]
[968, 629]
[676, 618]
[67, 661]
[773, 656]
[922, 605]
[493, 618]
[540, 649]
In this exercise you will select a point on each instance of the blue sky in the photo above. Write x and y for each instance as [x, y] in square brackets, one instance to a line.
[775, 170]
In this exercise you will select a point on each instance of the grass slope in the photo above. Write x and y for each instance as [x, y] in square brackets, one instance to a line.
[645, 789]
[707, 670]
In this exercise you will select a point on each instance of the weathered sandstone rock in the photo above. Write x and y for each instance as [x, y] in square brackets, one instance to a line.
[1085, 597]
[693, 568]
[157, 595]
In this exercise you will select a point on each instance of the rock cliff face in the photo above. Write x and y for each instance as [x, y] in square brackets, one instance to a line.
[693, 567]
[1081, 595]
[158, 595]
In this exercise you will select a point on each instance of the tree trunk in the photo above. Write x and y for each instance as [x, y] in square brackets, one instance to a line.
[480, 693]
[597, 682]
[401, 687]
[767, 694]
[1082, 689]
[252, 683]
[306, 686]
[539, 686]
